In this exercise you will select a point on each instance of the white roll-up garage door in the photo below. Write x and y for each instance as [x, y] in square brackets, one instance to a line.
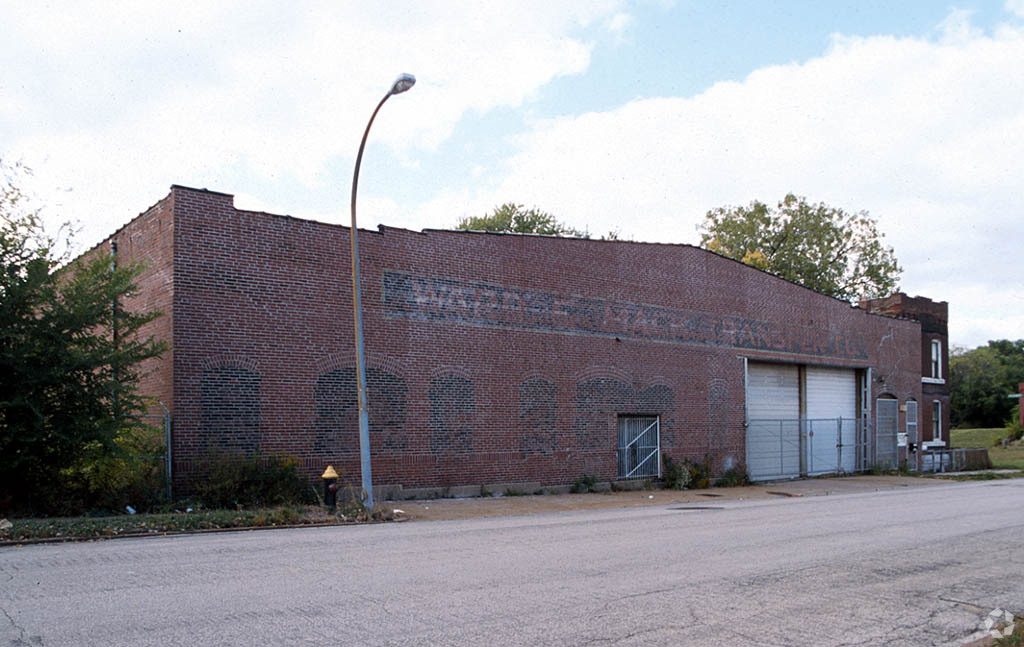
[773, 429]
[831, 412]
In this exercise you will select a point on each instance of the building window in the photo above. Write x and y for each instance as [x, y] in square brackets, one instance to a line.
[912, 421]
[936, 420]
[936, 359]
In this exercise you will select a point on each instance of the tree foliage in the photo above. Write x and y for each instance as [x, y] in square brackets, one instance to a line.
[69, 355]
[980, 381]
[515, 218]
[818, 246]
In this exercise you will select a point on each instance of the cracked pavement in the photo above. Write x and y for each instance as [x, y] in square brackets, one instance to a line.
[910, 566]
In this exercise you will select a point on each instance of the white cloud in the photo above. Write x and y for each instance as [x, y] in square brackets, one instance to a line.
[118, 100]
[957, 26]
[925, 135]
[112, 102]
[619, 24]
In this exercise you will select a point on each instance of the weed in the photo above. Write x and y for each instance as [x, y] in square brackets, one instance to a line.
[676, 476]
[232, 481]
[700, 473]
[484, 492]
[733, 477]
[1014, 431]
[144, 524]
[583, 484]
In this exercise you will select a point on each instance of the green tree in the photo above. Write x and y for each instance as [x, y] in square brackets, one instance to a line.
[980, 381]
[515, 218]
[818, 246]
[69, 355]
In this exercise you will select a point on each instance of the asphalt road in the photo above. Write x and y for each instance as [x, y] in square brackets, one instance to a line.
[903, 567]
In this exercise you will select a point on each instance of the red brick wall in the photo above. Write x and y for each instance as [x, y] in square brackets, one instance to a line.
[492, 358]
[147, 241]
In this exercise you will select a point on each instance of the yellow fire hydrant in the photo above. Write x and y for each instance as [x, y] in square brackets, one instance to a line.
[330, 478]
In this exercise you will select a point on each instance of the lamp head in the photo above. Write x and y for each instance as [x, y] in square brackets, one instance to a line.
[403, 83]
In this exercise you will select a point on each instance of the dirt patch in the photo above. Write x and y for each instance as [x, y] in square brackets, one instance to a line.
[440, 509]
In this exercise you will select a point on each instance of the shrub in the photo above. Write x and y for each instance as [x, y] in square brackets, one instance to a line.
[106, 479]
[700, 474]
[232, 481]
[582, 485]
[675, 475]
[733, 477]
[1013, 430]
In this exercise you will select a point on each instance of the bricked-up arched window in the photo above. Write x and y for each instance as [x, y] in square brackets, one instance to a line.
[229, 418]
[337, 415]
[452, 405]
[597, 402]
[538, 406]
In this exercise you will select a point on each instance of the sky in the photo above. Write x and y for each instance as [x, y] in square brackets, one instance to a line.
[633, 117]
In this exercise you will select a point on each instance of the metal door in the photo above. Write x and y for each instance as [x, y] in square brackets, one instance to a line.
[773, 421]
[830, 410]
[887, 411]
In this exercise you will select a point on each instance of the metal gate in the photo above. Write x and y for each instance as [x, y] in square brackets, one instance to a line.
[773, 449]
[778, 449]
[887, 413]
[639, 447]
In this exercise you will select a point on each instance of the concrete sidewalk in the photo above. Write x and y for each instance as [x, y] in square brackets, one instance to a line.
[463, 508]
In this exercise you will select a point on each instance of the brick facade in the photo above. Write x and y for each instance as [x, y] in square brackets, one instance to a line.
[934, 318]
[491, 358]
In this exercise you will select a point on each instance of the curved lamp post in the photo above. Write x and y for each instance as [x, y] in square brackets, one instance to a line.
[401, 84]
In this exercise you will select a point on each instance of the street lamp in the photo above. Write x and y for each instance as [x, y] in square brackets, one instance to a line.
[401, 84]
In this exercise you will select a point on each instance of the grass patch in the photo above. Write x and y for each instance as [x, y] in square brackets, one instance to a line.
[984, 476]
[1011, 457]
[976, 437]
[173, 522]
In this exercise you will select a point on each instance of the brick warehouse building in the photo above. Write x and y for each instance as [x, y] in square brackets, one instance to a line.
[501, 358]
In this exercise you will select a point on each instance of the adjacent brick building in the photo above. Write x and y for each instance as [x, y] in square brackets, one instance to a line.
[496, 358]
[933, 427]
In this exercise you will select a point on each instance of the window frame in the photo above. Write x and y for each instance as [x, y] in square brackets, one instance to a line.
[915, 425]
[937, 420]
[936, 363]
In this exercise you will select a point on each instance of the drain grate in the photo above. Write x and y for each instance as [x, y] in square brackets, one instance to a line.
[697, 507]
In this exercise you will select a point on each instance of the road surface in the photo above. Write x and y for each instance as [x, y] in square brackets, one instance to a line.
[902, 567]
